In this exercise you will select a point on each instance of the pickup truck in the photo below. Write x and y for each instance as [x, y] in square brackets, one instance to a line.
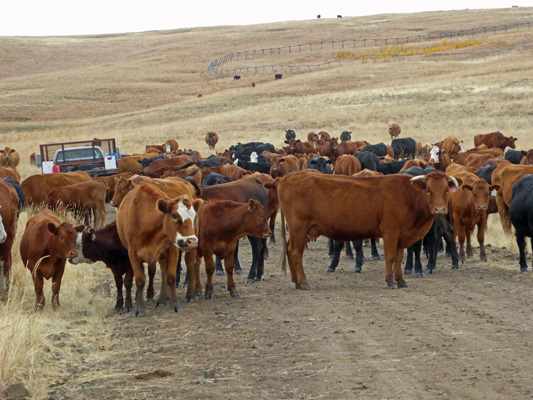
[97, 157]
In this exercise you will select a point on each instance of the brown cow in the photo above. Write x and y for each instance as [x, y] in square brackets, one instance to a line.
[366, 173]
[281, 166]
[347, 164]
[273, 202]
[193, 171]
[33, 161]
[506, 175]
[494, 152]
[44, 248]
[398, 208]
[469, 207]
[171, 146]
[330, 149]
[451, 146]
[495, 139]
[438, 158]
[111, 181]
[155, 228]
[211, 138]
[527, 158]
[347, 147]
[234, 221]
[37, 187]
[8, 229]
[416, 162]
[297, 146]
[394, 131]
[81, 198]
[9, 157]
[9, 171]
[158, 167]
[232, 171]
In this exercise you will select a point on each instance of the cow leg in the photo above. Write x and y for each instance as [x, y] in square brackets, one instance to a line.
[461, 236]
[209, 270]
[374, 249]
[331, 248]
[119, 282]
[521, 242]
[169, 276]
[219, 267]
[38, 283]
[337, 248]
[228, 264]
[446, 230]
[193, 269]
[390, 244]
[295, 253]
[409, 261]
[151, 275]
[349, 252]
[359, 258]
[417, 249]
[140, 282]
[56, 286]
[272, 225]
[236, 264]
[481, 239]
[398, 275]
[128, 284]
[503, 210]
[257, 255]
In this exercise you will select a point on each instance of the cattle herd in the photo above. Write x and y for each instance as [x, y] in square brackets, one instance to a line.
[175, 205]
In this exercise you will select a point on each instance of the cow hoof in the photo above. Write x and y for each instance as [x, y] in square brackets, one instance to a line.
[393, 285]
[376, 258]
[419, 275]
[208, 296]
[235, 295]
[185, 286]
[456, 266]
[330, 256]
[258, 279]
[305, 287]
[330, 269]
[138, 313]
[349, 257]
[118, 308]
[238, 271]
[523, 269]
[407, 272]
[190, 299]
[176, 309]
[159, 304]
[250, 280]
[219, 272]
[148, 299]
[357, 270]
[403, 283]
[430, 271]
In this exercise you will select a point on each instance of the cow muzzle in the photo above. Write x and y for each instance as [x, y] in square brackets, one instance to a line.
[187, 243]
[72, 255]
[481, 207]
[439, 210]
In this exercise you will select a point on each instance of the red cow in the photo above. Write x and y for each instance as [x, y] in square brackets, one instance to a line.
[347, 147]
[495, 139]
[272, 201]
[347, 164]
[394, 131]
[398, 208]
[451, 146]
[330, 149]
[469, 207]
[461, 158]
[281, 166]
[37, 187]
[527, 158]
[9, 157]
[44, 248]
[111, 181]
[234, 221]
[105, 245]
[439, 158]
[8, 229]
[81, 198]
[297, 146]
[158, 167]
[211, 138]
[155, 228]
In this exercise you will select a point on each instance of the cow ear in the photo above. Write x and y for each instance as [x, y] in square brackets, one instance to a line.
[12, 150]
[281, 160]
[197, 204]
[286, 141]
[163, 205]
[523, 152]
[79, 228]
[252, 205]
[52, 228]
[494, 187]
[92, 234]
[419, 182]
[467, 187]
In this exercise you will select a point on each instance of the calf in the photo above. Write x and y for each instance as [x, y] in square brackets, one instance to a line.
[495, 139]
[82, 198]
[8, 229]
[104, 245]
[44, 248]
[211, 139]
[521, 215]
[394, 131]
[281, 166]
[9, 157]
[297, 146]
[234, 221]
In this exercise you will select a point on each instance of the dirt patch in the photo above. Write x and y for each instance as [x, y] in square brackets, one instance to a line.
[462, 333]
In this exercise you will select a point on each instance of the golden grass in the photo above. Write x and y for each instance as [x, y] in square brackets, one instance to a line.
[143, 88]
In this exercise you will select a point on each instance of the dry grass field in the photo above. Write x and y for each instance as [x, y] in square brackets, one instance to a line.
[459, 334]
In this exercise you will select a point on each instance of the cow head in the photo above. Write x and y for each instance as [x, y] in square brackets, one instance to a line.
[437, 185]
[275, 164]
[83, 238]
[5, 155]
[179, 221]
[528, 157]
[510, 141]
[65, 236]
[481, 192]
[434, 154]
[256, 220]
[122, 187]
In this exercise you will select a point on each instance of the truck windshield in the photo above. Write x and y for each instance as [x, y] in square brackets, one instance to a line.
[79, 155]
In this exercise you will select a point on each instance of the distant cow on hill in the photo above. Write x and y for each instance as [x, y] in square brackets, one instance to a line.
[211, 138]
[278, 76]
[394, 131]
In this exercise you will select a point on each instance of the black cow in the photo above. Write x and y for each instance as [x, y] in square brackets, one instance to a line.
[368, 160]
[20, 193]
[521, 215]
[256, 164]
[346, 136]
[236, 77]
[379, 149]
[215, 179]
[320, 164]
[290, 134]
[404, 148]
[392, 167]
[147, 161]
[486, 173]
[278, 76]
[515, 156]
[243, 151]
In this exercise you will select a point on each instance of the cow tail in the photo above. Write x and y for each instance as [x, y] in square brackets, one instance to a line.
[283, 260]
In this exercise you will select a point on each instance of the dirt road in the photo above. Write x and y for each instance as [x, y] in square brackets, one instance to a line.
[458, 334]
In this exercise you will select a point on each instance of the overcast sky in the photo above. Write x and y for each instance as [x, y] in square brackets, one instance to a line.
[75, 17]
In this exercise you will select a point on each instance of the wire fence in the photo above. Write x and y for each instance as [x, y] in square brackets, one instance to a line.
[215, 70]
